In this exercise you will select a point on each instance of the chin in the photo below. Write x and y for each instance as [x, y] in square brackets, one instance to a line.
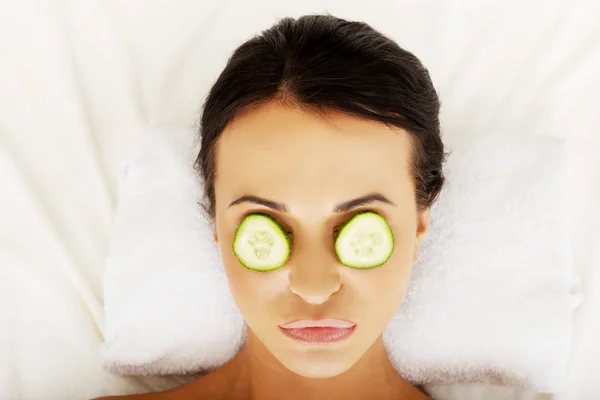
[311, 368]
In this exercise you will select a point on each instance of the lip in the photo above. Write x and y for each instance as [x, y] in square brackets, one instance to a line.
[322, 331]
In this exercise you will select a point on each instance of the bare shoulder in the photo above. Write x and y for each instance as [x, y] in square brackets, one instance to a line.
[145, 396]
[179, 393]
[204, 387]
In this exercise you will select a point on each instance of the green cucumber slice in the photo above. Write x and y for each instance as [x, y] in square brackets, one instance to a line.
[261, 243]
[364, 241]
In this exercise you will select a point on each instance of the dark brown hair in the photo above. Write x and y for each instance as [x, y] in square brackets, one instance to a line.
[326, 63]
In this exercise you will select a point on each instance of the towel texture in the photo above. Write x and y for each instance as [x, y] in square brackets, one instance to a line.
[490, 300]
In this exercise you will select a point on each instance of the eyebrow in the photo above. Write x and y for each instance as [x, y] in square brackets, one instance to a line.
[339, 208]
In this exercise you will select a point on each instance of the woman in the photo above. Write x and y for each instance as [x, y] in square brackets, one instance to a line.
[321, 156]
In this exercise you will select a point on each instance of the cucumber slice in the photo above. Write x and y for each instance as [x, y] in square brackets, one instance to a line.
[364, 241]
[261, 243]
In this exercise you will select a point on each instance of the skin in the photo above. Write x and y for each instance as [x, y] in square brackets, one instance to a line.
[310, 163]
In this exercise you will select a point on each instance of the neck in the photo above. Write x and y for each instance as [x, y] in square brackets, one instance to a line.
[259, 376]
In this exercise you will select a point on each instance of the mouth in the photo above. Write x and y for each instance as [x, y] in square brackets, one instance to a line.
[322, 331]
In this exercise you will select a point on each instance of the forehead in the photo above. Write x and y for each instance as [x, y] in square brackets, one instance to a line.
[289, 153]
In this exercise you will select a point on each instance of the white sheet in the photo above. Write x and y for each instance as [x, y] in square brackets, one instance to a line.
[79, 80]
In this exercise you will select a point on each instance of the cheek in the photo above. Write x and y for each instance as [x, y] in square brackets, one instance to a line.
[254, 292]
[251, 290]
[385, 286]
[399, 266]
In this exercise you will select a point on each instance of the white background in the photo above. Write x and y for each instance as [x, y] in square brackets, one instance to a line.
[79, 79]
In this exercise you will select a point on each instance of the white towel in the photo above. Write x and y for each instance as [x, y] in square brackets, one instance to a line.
[490, 300]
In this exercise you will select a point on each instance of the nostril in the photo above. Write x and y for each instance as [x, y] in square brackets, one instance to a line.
[314, 299]
[315, 292]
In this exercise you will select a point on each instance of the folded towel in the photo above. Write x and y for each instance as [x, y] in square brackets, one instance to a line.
[490, 299]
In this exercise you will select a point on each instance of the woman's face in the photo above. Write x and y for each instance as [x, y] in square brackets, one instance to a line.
[307, 165]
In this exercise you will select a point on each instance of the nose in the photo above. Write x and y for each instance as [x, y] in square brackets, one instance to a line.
[314, 274]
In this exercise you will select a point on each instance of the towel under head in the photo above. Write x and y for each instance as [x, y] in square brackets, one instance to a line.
[490, 299]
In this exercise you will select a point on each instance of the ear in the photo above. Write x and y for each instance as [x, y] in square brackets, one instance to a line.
[422, 228]
[215, 236]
